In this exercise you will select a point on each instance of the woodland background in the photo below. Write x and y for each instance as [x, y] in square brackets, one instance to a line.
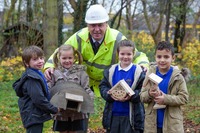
[49, 23]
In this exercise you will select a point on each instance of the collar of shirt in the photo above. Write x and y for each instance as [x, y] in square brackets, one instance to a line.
[97, 41]
[125, 69]
[163, 75]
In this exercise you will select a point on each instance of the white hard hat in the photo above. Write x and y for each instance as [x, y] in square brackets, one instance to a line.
[96, 14]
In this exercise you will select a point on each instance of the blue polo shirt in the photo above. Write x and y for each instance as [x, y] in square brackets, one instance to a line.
[164, 88]
[122, 108]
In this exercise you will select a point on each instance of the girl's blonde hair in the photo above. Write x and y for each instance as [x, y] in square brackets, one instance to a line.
[66, 47]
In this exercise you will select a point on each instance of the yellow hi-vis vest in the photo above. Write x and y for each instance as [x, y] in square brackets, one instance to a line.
[104, 58]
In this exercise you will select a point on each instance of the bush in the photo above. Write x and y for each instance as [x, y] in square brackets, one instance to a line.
[144, 43]
[11, 68]
[191, 56]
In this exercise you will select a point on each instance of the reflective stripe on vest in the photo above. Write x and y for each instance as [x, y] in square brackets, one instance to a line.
[137, 54]
[96, 65]
[100, 66]
[118, 38]
[143, 62]
[79, 41]
[50, 61]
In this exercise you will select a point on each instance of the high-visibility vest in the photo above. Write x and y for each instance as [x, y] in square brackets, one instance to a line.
[104, 58]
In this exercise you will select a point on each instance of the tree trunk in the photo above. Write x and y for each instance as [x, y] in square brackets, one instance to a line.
[80, 8]
[129, 21]
[130, 17]
[180, 22]
[9, 14]
[154, 31]
[119, 19]
[60, 22]
[117, 15]
[168, 10]
[50, 26]
[19, 11]
[29, 15]
[194, 28]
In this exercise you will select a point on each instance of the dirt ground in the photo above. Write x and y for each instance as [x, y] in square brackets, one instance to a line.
[189, 126]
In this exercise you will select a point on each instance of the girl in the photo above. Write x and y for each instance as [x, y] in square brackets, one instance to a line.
[124, 115]
[66, 69]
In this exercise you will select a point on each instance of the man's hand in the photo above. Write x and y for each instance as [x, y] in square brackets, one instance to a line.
[48, 72]
[144, 68]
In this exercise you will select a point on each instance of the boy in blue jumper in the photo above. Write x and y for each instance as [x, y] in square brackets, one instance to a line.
[32, 91]
[172, 92]
[125, 115]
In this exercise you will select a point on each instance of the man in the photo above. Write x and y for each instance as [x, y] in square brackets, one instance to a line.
[97, 44]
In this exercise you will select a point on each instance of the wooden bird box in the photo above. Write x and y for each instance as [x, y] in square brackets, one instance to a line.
[121, 89]
[74, 101]
[156, 79]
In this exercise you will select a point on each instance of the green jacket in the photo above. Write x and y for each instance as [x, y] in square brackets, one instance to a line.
[105, 57]
[176, 97]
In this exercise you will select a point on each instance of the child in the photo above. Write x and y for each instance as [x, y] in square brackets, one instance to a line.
[67, 70]
[172, 92]
[32, 91]
[124, 115]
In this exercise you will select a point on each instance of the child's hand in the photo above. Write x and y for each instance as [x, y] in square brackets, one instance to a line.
[154, 87]
[91, 96]
[160, 98]
[154, 91]
[127, 97]
[114, 97]
[109, 92]
[59, 110]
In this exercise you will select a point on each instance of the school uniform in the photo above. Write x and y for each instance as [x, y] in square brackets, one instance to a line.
[170, 119]
[129, 114]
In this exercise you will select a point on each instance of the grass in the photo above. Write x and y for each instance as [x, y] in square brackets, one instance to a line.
[11, 121]
[9, 113]
[10, 117]
[193, 108]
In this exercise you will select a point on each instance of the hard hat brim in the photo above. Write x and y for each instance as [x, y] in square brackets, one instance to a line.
[96, 21]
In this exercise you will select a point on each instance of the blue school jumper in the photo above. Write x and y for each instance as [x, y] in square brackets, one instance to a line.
[164, 88]
[122, 108]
